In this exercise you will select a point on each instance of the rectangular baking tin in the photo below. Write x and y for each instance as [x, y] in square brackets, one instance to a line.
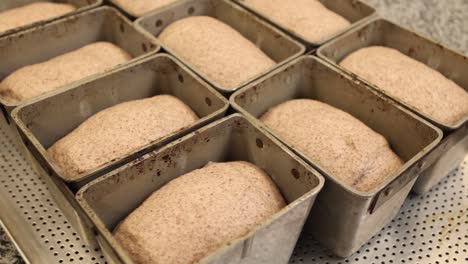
[43, 121]
[356, 12]
[451, 64]
[343, 218]
[233, 138]
[277, 45]
[81, 5]
[47, 41]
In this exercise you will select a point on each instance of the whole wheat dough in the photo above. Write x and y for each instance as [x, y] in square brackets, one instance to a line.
[337, 141]
[34, 80]
[198, 212]
[410, 81]
[309, 19]
[141, 7]
[31, 13]
[117, 131]
[216, 50]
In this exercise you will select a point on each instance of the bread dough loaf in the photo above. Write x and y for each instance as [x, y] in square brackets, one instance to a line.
[34, 80]
[141, 7]
[309, 19]
[216, 50]
[198, 212]
[335, 140]
[32, 13]
[117, 131]
[410, 81]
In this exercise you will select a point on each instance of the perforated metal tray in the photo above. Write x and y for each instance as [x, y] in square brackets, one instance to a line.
[430, 228]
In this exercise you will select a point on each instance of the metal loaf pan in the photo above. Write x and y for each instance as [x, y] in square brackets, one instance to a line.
[451, 64]
[81, 5]
[61, 36]
[277, 45]
[233, 138]
[354, 11]
[43, 121]
[343, 219]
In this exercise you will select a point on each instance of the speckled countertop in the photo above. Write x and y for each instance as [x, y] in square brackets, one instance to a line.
[444, 21]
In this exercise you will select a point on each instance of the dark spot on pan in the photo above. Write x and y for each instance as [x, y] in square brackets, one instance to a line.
[122, 27]
[191, 10]
[166, 158]
[411, 51]
[158, 173]
[388, 191]
[295, 173]
[259, 143]
[208, 101]
[143, 47]
[181, 78]
[158, 23]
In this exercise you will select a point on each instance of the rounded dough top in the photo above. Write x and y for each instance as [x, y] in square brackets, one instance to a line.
[198, 212]
[410, 81]
[141, 7]
[34, 80]
[215, 49]
[309, 19]
[117, 131]
[338, 142]
[31, 13]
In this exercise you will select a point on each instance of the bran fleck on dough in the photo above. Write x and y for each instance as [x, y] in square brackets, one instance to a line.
[32, 13]
[309, 19]
[33, 80]
[410, 81]
[337, 141]
[198, 212]
[117, 131]
[215, 49]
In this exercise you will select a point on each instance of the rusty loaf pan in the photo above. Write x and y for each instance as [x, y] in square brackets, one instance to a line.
[61, 36]
[230, 139]
[277, 45]
[356, 12]
[43, 121]
[450, 63]
[81, 5]
[343, 218]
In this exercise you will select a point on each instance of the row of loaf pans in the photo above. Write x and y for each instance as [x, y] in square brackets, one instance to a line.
[47, 40]
[367, 212]
[81, 5]
[342, 213]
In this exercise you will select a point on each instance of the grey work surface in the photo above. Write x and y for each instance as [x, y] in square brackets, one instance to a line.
[446, 22]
